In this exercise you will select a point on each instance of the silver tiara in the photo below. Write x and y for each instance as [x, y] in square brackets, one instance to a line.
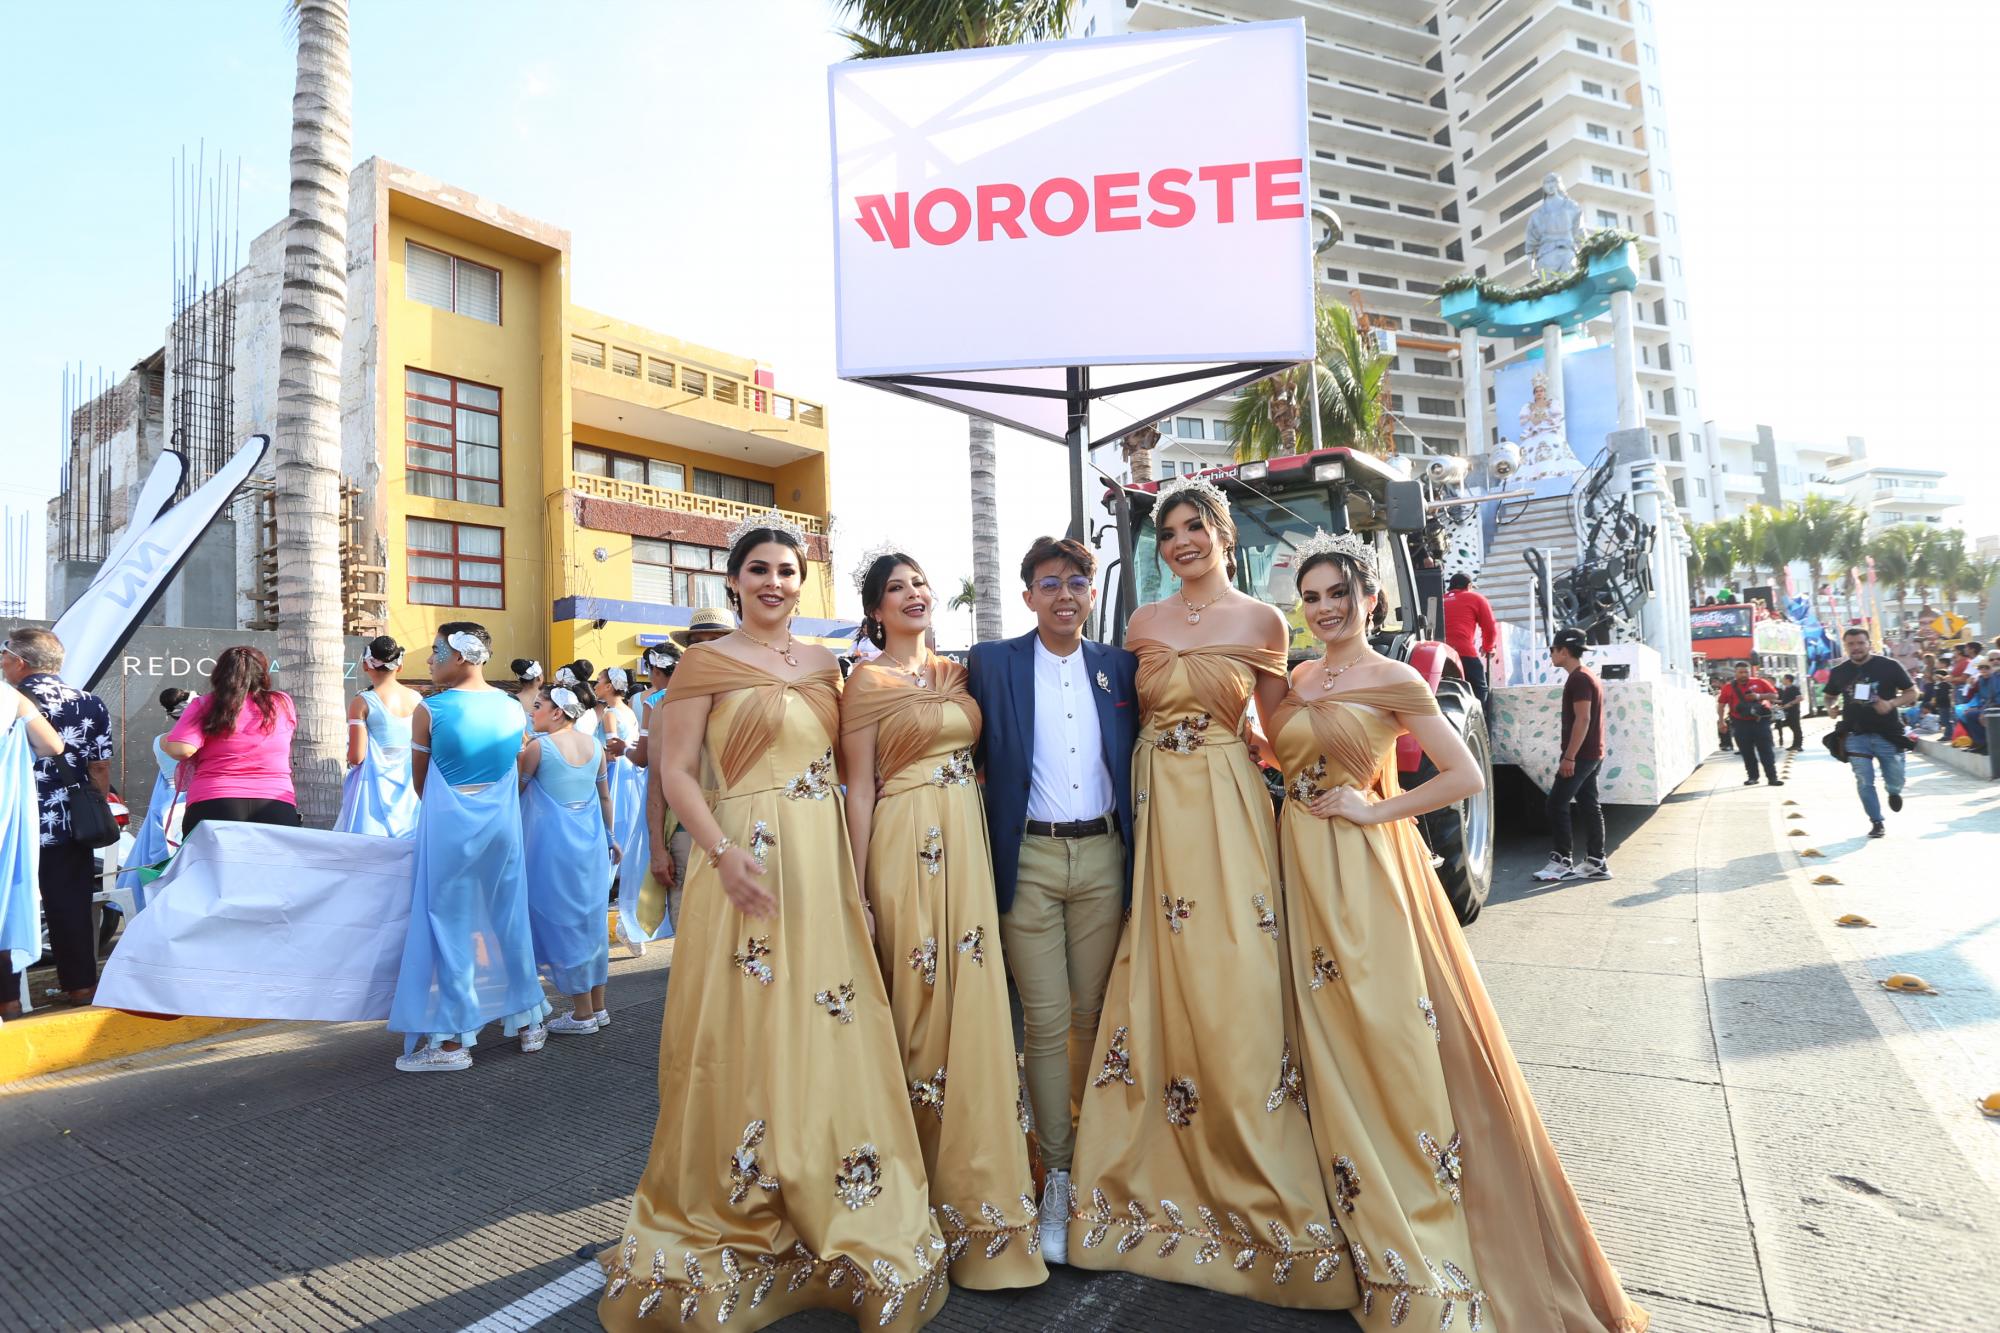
[1359, 550]
[868, 560]
[772, 519]
[1181, 485]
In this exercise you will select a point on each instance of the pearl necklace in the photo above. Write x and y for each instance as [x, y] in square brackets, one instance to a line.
[784, 652]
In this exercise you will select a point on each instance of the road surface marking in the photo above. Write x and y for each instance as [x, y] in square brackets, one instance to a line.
[543, 1303]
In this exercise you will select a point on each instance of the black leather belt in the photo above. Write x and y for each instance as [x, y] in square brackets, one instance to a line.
[1085, 828]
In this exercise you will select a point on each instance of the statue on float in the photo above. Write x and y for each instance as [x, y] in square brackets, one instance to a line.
[1555, 230]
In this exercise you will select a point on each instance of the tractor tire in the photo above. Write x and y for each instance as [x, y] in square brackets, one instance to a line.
[1460, 836]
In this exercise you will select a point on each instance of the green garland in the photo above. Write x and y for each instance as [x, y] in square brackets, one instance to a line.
[1593, 246]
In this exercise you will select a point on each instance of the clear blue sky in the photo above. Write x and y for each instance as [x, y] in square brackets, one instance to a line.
[1826, 151]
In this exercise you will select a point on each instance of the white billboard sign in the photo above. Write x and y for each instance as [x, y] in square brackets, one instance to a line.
[1126, 201]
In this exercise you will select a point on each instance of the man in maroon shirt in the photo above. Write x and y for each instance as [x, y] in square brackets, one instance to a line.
[1746, 703]
[1576, 773]
[1470, 631]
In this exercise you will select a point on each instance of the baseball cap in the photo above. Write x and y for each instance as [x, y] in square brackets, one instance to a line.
[1570, 640]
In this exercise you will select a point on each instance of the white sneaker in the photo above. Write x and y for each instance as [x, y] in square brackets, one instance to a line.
[434, 1060]
[1558, 869]
[1054, 1222]
[570, 1024]
[534, 1038]
[1594, 867]
[603, 1017]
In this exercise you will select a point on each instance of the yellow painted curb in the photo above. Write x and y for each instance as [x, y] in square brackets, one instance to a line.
[50, 1043]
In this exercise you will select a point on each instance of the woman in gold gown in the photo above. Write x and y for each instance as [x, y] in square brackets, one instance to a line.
[785, 1170]
[1451, 1196]
[914, 817]
[1194, 1161]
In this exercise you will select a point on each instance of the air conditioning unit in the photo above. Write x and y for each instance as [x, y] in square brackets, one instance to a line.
[1385, 341]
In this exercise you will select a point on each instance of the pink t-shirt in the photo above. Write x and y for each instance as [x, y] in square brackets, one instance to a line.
[248, 762]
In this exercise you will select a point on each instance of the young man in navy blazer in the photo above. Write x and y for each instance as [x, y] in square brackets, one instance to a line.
[1061, 715]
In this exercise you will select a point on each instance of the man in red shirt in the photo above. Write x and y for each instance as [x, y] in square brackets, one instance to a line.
[1746, 703]
[1470, 631]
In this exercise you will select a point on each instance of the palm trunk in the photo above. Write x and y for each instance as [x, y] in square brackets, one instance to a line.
[312, 315]
[985, 533]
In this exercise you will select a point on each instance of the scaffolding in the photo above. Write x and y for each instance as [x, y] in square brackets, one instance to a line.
[201, 346]
[364, 597]
[90, 418]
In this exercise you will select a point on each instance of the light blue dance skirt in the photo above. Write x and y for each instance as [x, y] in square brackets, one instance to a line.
[628, 822]
[20, 853]
[378, 797]
[469, 957]
[568, 868]
[149, 844]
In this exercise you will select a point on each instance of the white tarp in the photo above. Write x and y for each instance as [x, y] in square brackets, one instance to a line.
[257, 921]
[1137, 202]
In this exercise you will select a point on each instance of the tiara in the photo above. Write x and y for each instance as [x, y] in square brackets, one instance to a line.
[1180, 486]
[1345, 544]
[869, 558]
[773, 519]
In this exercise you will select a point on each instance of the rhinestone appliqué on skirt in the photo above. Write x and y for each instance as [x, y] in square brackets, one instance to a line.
[927, 1094]
[924, 959]
[1291, 1083]
[1267, 920]
[957, 770]
[762, 840]
[859, 1180]
[745, 1171]
[751, 961]
[1117, 1062]
[1324, 969]
[1444, 1159]
[1306, 786]
[1182, 1101]
[838, 1000]
[973, 944]
[1430, 1016]
[931, 855]
[1178, 910]
[1346, 1183]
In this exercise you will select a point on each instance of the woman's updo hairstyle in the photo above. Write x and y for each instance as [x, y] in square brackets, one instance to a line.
[875, 583]
[1362, 578]
[174, 699]
[750, 540]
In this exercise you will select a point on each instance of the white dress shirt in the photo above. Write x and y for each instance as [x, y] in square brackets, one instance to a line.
[1068, 782]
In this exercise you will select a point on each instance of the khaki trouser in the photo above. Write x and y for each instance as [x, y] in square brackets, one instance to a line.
[1060, 936]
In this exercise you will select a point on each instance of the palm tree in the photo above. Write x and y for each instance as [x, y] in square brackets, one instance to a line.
[966, 599]
[1716, 546]
[1266, 420]
[915, 27]
[1137, 447]
[1829, 531]
[1945, 564]
[312, 314]
[1897, 553]
[1784, 543]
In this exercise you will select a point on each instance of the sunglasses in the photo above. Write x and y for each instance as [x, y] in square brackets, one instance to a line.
[1076, 583]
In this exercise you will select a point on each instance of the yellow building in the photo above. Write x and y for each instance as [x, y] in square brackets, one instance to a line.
[561, 476]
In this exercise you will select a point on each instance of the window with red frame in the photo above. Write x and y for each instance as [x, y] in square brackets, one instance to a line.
[455, 564]
[451, 438]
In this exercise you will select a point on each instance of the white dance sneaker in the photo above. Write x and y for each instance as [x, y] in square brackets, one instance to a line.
[1054, 1222]
[570, 1025]
[603, 1017]
[434, 1060]
[1558, 869]
[1594, 867]
[534, 1038]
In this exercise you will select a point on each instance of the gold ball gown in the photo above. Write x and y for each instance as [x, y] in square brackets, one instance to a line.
[1454, 1203]
[1194, 1162]
[937, 935]
[785, 1169]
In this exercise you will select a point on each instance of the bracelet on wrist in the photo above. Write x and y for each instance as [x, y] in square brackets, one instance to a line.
[715, 853]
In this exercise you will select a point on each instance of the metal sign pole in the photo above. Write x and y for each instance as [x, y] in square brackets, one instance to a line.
[1077, 436]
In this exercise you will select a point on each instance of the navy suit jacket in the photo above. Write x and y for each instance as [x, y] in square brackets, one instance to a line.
[1003, 684]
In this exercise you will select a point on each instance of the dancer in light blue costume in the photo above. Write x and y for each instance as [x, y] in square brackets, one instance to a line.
[566, 830]
[378, 797]
[151, 845]
[648, 869]
[527, 684]
[621, 734]
[27, 734]
[469, 958]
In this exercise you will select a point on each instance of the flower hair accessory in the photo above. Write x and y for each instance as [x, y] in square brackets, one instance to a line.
[564, 676]
[374, 663]
[468, 647]
[618, 678]
[566, 700]
[534, 671]
[868, 560]
[773, 519]
[662, 655]
[1180, 486]
[1357, 550]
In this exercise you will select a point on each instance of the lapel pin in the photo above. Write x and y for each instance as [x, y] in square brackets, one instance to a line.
[1104, 682]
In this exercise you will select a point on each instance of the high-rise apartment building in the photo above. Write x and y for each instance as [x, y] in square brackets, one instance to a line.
[1755, 467]
[1433, 123]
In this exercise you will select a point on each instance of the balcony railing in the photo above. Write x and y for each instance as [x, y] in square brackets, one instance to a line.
[686, 502]
[697, 381]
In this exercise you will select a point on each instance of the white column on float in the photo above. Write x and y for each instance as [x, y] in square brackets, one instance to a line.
[1472, 374]
[1552, 366]
[1625, 361]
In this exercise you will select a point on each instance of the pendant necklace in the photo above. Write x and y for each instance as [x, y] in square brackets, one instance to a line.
[919, 673]
[784, 652]
[1329, 674]
[1194, 612]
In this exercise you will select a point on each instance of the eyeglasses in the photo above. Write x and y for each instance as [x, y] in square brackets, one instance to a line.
[1076, 583]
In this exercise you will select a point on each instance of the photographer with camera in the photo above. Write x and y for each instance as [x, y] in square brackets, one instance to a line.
[1746, 702]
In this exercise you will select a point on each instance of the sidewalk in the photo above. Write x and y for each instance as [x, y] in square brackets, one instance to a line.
[1764, 1140]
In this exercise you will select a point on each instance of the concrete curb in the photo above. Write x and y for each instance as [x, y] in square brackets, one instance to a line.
[1947, 756]
[52, 1043]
